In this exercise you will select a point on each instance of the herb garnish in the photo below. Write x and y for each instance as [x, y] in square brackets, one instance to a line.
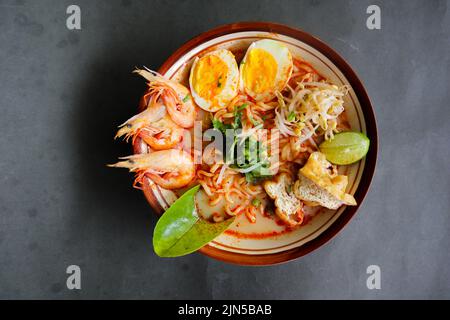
[253, 151]
[291, 116]
[256, 202]
[180, 230]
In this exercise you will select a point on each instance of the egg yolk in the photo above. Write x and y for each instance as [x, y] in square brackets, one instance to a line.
[260, 70]
[209, 77]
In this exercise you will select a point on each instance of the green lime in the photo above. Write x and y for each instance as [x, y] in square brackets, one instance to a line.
[346, 147]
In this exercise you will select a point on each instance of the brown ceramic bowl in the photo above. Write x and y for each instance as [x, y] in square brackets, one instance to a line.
[282, 248]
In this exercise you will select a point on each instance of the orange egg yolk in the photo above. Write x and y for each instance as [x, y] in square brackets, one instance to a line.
[259, 70]
[210, 76]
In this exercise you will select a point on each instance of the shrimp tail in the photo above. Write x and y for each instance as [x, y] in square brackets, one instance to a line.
[133, 126]
[149, 75]
[124, 130]
[132, 163]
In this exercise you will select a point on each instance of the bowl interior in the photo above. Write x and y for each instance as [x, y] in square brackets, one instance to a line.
[265, 237]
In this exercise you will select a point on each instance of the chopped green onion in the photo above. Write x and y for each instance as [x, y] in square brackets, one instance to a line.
[186, 98]
[256, 202]
[218, 125]
[254, 122]
[291, 116]
[241, 107]
[238, 116]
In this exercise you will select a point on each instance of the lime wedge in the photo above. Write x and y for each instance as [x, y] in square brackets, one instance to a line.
[346, 147]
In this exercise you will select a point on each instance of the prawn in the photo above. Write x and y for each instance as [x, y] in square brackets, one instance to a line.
[170, 169]
[154, 126]
[175, 97]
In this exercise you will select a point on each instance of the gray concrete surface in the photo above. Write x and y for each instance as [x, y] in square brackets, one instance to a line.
[63, 92]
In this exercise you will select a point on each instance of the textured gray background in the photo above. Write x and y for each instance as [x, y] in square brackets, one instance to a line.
[63, 93]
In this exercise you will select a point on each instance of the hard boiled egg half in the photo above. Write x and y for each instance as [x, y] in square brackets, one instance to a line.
[214, 80]
[265, 69]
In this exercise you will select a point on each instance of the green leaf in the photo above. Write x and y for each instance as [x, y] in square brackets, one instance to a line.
[238, 116]
[259, 174]
[256, 176]
[181, 231]
[186, 98]
[218, 125]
